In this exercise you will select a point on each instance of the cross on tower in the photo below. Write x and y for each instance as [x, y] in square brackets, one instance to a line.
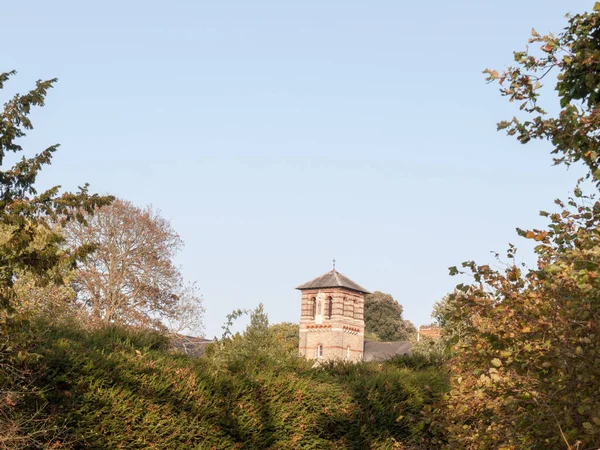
[333, 263]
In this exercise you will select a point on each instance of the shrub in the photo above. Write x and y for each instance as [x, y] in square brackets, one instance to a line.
[119, 388]
[526, 369]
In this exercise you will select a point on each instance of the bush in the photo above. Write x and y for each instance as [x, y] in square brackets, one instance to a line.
[426, 353]
[119, 388]
[526, 368]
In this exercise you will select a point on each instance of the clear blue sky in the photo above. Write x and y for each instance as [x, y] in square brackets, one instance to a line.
[277, 135]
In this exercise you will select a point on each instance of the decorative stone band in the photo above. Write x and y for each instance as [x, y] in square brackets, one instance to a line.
[337, 347]
[319, 327]
[326, 327]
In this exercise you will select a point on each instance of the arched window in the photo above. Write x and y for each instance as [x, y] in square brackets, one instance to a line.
[319, 307]
[347, 353]
[319, 351]
[329, 307]
[344, 306]
[313, 306]
[354, 309]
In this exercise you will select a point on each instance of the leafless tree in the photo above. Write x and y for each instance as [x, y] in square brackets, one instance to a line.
[131, 278]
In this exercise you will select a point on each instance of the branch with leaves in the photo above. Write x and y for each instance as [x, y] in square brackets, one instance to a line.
[573, 56]
[25, 213]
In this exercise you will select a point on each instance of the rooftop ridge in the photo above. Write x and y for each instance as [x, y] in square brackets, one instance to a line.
[331, 279]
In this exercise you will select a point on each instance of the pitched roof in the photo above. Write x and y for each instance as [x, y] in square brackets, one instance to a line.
[332, 279]
[190, 345]
[380, 351]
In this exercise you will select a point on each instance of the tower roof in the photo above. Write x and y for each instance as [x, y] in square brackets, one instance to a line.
[332, 279]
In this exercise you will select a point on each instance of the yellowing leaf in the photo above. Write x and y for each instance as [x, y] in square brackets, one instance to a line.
[496, 378]
[496, 362]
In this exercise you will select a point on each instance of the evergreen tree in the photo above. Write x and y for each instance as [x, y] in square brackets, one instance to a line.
[31, 241]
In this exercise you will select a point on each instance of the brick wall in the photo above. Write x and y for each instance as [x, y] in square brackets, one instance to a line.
[430, 331]
[341, 335]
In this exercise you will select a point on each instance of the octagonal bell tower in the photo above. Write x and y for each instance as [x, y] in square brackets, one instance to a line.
[331, 322]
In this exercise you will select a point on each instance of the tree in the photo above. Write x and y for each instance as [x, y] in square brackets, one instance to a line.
[25, 215]
[32, 294]
[288, 334]
[260, 346]
[574, 58]
[33, 265]
[130, 278]
[448, 314]
[526, 367]
[383, 317]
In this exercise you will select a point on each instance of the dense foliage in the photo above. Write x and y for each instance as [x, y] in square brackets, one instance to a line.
[450, 314]
[121, 388]
[287, 334]
[30, 243]
[526, 353]
[383, 319]
[527, 368]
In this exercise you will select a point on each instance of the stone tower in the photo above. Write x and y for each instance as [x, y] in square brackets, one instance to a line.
[331, 321]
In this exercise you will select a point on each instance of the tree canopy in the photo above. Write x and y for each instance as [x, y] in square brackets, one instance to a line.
[526, 365]
[131, 277]
[383, 318]
[449, 314]
[30, 242]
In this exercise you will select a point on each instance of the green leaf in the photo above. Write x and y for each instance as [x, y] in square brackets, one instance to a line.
[597, 6]
[585, 265]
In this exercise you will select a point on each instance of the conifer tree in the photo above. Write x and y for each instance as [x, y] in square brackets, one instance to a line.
[23, 211]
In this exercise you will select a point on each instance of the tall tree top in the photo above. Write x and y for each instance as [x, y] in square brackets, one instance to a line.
[24, 212]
